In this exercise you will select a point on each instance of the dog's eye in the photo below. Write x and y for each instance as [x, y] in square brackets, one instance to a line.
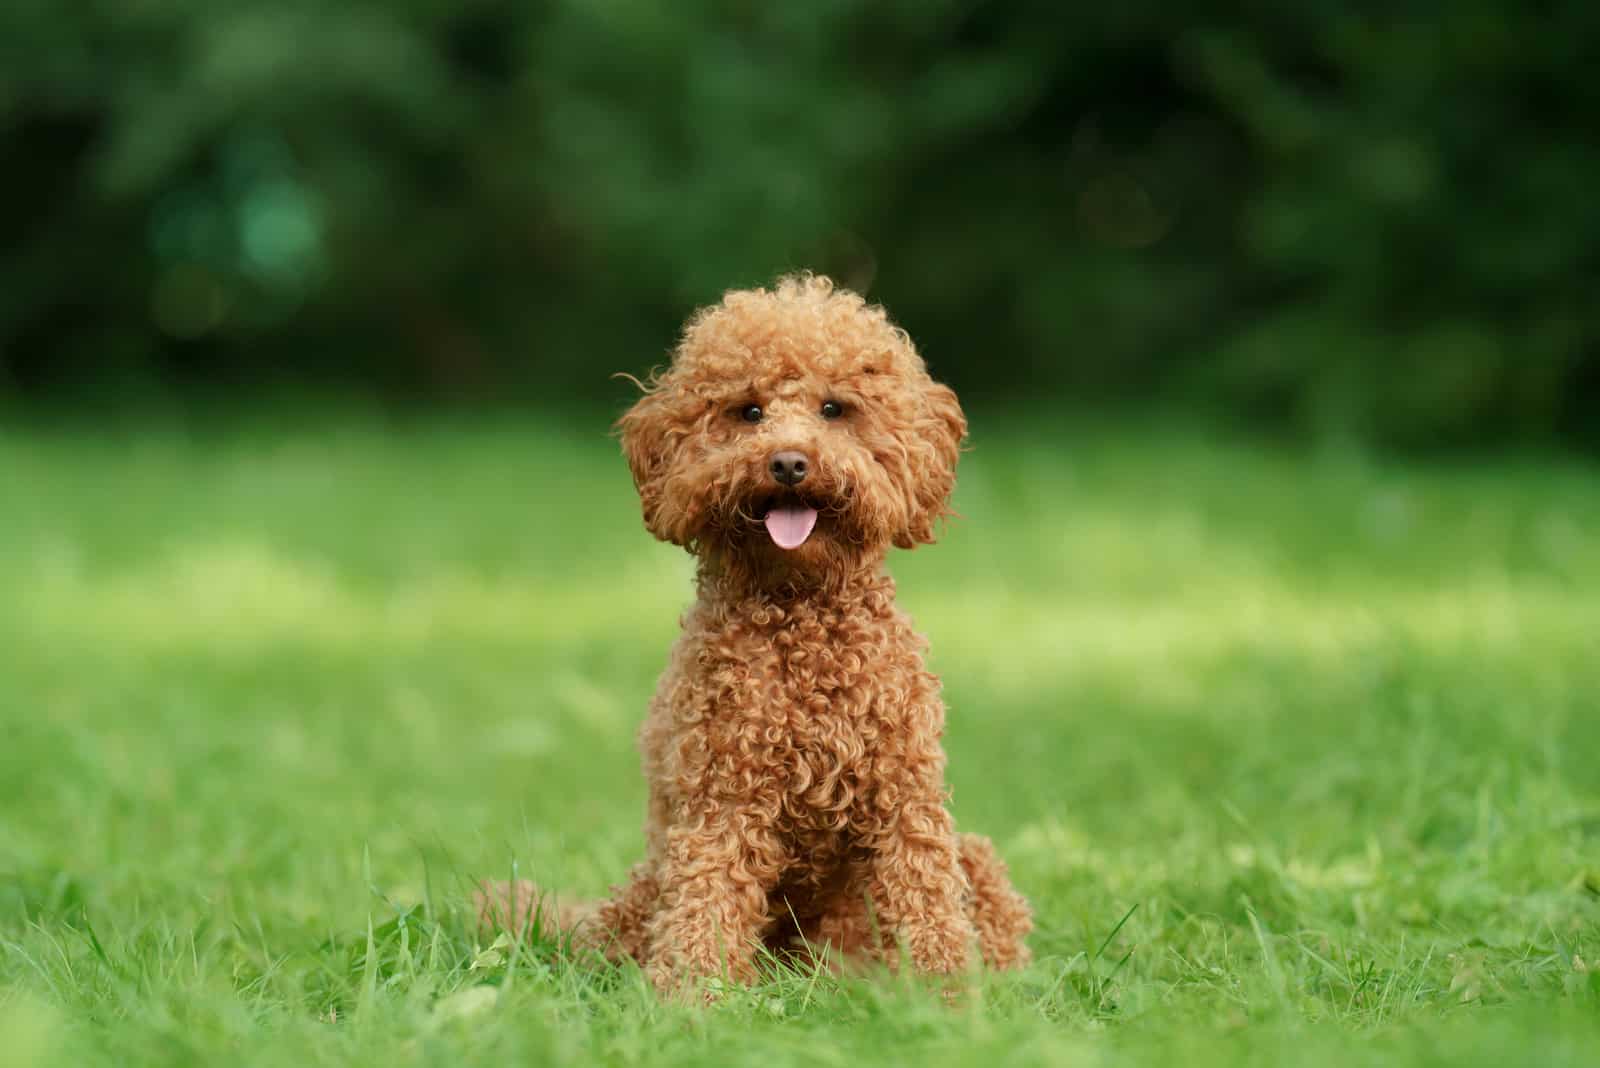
[832, 410]
[750, 413]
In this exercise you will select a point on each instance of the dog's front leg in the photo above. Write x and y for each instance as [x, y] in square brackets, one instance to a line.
[918, 890]
[715, 875]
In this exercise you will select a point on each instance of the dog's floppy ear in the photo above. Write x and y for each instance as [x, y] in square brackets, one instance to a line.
[647, 441]
[936, 435]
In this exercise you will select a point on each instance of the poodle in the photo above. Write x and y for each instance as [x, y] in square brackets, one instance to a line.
[792, 749]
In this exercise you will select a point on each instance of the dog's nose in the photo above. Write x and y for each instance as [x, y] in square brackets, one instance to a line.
[789, 468]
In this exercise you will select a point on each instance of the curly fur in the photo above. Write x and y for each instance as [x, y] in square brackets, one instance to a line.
[792, 749]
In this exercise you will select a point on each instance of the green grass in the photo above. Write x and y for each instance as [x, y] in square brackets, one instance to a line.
[1324, 732]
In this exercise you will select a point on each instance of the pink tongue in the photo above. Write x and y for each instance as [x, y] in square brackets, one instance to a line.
[790, 525]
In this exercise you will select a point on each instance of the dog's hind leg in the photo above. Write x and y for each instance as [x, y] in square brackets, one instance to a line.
[613, 926]
[619, 925]
[1000, 914]
[525, 910]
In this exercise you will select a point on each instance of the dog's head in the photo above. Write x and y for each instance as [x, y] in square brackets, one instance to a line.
[796, 431]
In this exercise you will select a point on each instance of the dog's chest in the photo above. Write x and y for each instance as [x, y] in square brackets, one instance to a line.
[804, 706]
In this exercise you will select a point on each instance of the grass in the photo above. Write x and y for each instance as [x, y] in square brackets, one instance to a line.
[1298, 756]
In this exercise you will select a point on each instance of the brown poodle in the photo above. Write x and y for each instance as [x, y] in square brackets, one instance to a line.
[796, 780]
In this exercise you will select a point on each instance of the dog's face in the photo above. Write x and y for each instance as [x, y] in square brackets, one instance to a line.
[797, 430]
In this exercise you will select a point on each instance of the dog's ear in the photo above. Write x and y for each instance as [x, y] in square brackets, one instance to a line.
[936, 436]
[645, 430]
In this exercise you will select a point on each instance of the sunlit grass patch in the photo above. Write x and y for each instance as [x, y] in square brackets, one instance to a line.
[234, 597]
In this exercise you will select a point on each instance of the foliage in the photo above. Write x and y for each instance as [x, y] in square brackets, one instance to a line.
[1327, 219]
[1293, 755]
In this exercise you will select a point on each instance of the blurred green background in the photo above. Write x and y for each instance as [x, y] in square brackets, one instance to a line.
[1323, 218]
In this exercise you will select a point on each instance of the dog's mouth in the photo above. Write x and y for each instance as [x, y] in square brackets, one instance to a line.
[789, 520]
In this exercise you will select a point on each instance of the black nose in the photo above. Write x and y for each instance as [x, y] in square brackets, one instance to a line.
[789, 468]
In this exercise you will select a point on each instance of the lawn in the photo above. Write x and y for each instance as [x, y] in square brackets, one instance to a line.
[1297, 754]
